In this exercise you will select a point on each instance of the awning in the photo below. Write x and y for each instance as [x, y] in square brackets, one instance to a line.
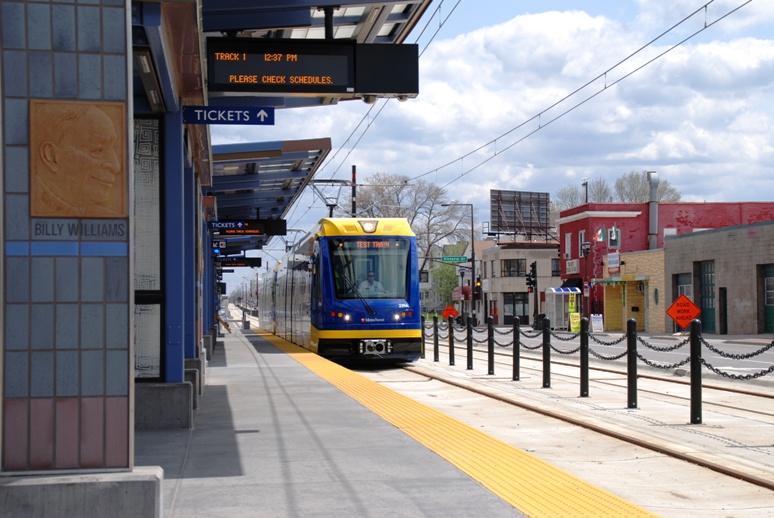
[563, 290]
[573, 282]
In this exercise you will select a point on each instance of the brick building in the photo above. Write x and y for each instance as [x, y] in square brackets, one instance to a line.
[602, 249]
[728, 273]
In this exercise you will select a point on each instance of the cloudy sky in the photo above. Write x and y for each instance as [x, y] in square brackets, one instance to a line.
[534, 95]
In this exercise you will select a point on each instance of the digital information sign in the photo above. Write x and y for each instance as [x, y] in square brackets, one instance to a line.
[252, 262]
[250, 227]
[280, 66]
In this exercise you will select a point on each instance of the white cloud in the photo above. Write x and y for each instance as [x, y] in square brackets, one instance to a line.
[701, 115]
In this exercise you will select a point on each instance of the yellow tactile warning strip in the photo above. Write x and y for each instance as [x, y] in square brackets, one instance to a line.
[528, 483]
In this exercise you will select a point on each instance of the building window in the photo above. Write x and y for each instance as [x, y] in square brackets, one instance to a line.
[684, 285]
[515, 305]
[513, 267]
[568, 246]
[614, 238]
[423, 276]
[581, 239]
[768, 287]
[556, 268]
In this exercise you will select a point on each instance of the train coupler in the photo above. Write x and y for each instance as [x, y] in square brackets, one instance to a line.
[376, 347]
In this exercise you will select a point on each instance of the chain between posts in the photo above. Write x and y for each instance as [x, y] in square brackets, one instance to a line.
[695, 340]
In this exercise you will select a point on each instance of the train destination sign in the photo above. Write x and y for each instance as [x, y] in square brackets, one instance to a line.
[280, 66]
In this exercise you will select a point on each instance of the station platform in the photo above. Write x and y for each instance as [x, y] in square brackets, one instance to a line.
[281, 432]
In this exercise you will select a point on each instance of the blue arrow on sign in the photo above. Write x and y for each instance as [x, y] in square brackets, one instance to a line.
[247, 115]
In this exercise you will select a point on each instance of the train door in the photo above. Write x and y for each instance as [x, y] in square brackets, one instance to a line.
[707, 295]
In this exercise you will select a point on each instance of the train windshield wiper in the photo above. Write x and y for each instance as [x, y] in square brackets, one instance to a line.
[359, 295]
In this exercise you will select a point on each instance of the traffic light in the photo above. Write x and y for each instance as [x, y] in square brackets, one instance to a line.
[477, 289]
[532, 277]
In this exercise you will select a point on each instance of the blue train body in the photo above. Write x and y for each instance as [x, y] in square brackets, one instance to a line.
[320, 296]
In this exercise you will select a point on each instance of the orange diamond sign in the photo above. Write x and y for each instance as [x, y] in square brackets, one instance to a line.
[449, 312]
[683, 311]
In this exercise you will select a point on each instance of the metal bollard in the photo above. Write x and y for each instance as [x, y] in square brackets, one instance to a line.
[546, 353]
[516, 347]
[584, 357]
[470, 343]
[435, 338]
[696, 372]
[451, 341]
[631, 361]
[422, 350]
[490, 345]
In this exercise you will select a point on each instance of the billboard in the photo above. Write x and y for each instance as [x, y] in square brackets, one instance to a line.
[519, 212]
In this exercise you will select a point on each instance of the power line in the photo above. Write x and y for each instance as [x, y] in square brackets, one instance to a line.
[441, 24]
[603, 75]
[539, 116]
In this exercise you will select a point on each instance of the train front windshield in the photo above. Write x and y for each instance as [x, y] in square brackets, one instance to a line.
[370, 268]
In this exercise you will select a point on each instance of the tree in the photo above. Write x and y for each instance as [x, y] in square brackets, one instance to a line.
[599, 191]
[421, 203]
[634, 188]
[444, 280]
[629, 188]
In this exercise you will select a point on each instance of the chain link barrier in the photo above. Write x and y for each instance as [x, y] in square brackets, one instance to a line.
[632, 338]
[460, 335]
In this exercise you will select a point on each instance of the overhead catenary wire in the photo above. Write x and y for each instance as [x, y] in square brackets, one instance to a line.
[606, 86]
[441, 24]
[539, 116]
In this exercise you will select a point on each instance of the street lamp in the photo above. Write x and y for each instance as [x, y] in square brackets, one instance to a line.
[585, 184]
[472, 249]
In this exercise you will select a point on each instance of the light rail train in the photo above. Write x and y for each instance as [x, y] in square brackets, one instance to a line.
[348, 290]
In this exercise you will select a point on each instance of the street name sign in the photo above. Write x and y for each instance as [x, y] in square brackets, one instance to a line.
[454, 259]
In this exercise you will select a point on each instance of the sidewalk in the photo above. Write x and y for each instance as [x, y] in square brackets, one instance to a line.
[272, 439]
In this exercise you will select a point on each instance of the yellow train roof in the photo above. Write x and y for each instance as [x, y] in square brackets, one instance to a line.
[363, 226]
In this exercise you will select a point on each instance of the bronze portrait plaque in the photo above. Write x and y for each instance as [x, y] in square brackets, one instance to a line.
[77, 159]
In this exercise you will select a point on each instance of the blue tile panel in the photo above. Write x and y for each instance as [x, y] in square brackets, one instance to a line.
[67, 296]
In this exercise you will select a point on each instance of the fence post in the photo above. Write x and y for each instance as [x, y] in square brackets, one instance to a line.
[696, 371]
[422, 351]
[584, 357]
[435, 338]
[546, 353]
[631, 361]
[516, 347]
[451, 341]
[470, 343]
[490, 344]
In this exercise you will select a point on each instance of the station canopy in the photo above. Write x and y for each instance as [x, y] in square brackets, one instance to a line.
[263, 179]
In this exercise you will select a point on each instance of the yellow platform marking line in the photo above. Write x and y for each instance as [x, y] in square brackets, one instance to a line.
[528, 483]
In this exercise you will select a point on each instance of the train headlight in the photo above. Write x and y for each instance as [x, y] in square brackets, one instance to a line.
[396, 316]
[346, 318]
[368, 225]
